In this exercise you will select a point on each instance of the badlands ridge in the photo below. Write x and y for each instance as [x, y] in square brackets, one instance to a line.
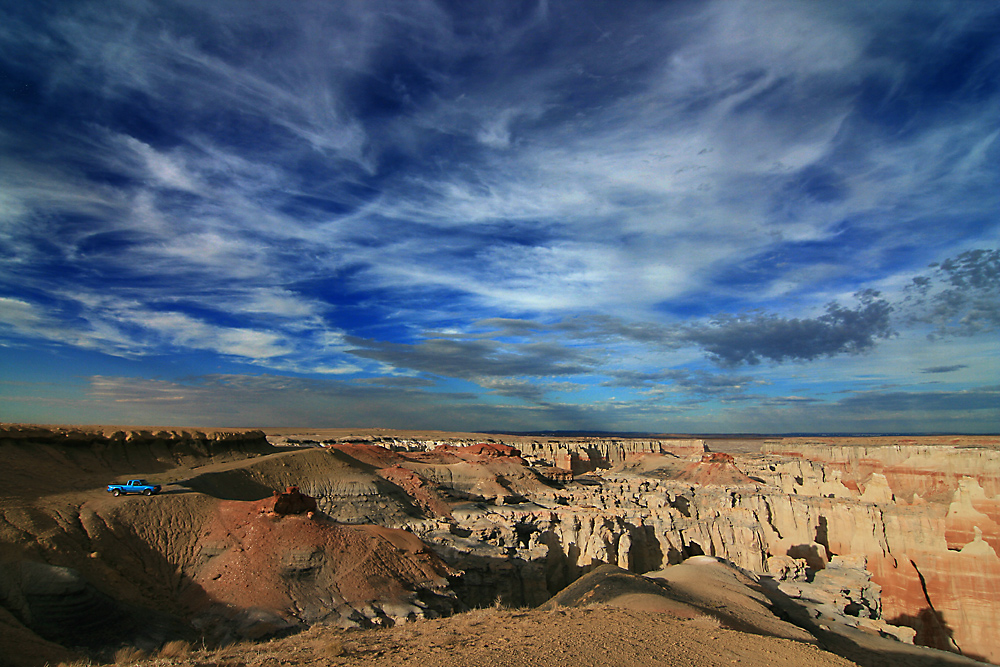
[760, 551]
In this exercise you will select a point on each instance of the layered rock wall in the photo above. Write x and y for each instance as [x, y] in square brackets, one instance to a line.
[580, 455]
[934, 564]
[931, 472]
[206, 439]
[916, 515]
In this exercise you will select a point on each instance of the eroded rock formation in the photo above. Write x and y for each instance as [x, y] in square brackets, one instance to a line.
[931, 539]
[931, 558]
[898, 539]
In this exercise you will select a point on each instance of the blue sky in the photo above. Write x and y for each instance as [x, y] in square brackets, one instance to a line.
[626, 216]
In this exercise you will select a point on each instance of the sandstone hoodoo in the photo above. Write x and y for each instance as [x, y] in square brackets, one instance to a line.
[863, 545]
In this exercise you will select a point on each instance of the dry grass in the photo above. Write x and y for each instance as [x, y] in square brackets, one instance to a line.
[129, 655]
[177, 648]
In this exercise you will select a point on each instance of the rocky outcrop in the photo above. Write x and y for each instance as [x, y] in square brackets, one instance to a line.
[873, 538]
[61, 605]
[972, 517]
[841, 593]
[183, 565]
[715, 470]
[270, 565]
[292, 501]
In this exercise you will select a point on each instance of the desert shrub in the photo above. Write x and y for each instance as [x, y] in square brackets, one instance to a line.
[705, 622]
[128, 655]
[177, 648]
[333, 647]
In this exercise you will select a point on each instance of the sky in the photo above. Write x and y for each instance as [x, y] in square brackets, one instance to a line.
[644, 216]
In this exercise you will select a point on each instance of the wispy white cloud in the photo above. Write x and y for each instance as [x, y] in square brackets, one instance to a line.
[687, 192]
[125, 328]
[317, 190]
[20, 315]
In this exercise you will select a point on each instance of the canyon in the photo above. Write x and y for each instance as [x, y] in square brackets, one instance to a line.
[887, 541]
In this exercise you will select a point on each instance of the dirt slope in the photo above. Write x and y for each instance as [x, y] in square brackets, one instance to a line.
[594, 636]
[208, 557]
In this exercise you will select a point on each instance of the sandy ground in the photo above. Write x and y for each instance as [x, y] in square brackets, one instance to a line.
[586, 637]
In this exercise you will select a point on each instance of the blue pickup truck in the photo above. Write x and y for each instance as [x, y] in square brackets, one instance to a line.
[134, 486]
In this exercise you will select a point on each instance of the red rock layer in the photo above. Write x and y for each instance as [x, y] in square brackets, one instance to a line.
[934, 553]
[930, 471]
[491, 450]
[305, 568]
[715, 469]
[419, 489]
[950, 598]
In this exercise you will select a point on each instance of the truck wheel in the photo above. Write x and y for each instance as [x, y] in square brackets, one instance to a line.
[147, 492]
[116, 492]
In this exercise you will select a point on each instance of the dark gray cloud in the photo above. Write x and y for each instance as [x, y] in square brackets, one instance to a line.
[959, 296]
[788, 400]
[259, 400]
[732, 340]
[390, 388]
[982, 398]
[221, 388]
[398, 382]
[476, 359]
[607, 327]
[973, 410]
[696, 382]
[510, 327]
[529, 391]
[490, 358]
[944, 369]
[590, 328]
[745, 400]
